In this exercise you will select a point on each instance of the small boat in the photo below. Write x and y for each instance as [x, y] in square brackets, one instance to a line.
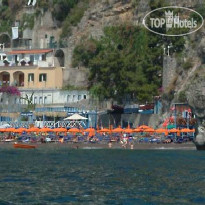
[24, 146]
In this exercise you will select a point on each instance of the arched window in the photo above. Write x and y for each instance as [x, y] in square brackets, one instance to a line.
[45, 100]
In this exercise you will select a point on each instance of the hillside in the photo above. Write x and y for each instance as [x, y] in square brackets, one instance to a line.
[84, 27]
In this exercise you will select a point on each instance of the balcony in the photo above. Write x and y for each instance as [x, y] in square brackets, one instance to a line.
[25, 58]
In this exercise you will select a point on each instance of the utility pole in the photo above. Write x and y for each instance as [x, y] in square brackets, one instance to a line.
[168, 50]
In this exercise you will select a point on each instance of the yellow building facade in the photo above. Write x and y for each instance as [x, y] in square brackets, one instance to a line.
[29, 69]
[32, 77]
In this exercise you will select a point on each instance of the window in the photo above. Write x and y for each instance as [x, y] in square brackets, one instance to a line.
[84, 96]
[79, 97]
[35, 100]
[40, 100]
[73, 98]
[36, 57]
[21, 101]
[44, 57]
[31, 77]
[45, 100]
[68, 98]
[10, 58]
[32, 58]
[43, 77]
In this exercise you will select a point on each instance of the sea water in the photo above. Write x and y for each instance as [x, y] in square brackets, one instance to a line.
[65, 176]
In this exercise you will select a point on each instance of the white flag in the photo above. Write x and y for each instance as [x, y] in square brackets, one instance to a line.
[34, 2]
[15, 33]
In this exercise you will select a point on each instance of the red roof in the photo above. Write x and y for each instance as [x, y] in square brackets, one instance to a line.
[33, 51]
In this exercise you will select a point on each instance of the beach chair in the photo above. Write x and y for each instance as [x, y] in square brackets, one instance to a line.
[68, 138]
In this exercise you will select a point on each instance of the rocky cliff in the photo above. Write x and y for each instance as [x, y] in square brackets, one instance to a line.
[187, 75]
[185, 82]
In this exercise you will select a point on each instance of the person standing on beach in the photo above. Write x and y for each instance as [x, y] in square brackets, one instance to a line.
[110, 144]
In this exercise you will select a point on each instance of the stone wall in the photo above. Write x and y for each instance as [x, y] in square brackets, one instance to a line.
[134, 120]
[169, 71]
[44, 28]
[76, 77]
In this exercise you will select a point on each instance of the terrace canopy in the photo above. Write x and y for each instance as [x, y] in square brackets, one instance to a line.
[76, 117]
[75, 120]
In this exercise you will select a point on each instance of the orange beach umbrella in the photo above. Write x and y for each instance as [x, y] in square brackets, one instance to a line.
[60, 129]
[186, 130]
[33, 129]
[149, 130]
[128, 130]
[174, 130]
[119, 129]
[161, 130]
[104, 130]
[20, 130]
[11, 129]
[138, 130]
[46, 129]
[143, 127]
[74, 130]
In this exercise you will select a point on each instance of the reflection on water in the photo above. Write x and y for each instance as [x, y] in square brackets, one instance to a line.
[62, 176]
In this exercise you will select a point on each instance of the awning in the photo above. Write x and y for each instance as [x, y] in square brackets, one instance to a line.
[32, 51]
[76, 117]
[170, 126]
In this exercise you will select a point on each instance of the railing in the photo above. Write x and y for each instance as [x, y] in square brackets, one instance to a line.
[56, 109]
[50, 124]
[12, 108]
[17, 124]
[71, 123]
[14, 66]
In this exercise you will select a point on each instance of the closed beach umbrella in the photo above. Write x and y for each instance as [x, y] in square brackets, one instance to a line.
[90, 129]
[91, 133]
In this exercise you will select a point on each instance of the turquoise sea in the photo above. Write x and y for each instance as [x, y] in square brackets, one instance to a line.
[65, 176]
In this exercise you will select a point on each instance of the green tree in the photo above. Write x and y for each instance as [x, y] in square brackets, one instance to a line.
[29, 100]
[126, 62]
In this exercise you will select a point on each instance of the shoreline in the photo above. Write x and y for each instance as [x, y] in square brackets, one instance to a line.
[137, 146]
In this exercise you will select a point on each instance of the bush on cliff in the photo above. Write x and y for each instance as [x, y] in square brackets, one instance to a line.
[126, 62]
